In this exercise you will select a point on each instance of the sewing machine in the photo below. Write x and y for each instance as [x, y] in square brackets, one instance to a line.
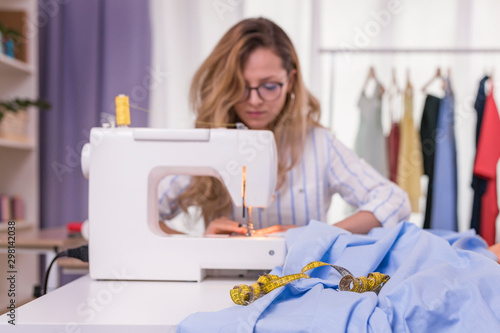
[124, 166]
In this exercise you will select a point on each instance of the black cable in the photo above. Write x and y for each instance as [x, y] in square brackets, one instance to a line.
[59, 255]
[81, 253]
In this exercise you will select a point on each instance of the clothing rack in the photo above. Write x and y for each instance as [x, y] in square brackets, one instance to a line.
[390, 51]
[410, 50]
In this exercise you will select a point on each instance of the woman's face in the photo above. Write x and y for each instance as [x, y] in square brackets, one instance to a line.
[258, 108]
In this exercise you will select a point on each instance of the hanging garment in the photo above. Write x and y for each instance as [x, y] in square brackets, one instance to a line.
[370, 142]
[410, 154]
[485, 165]
[393, 151]
[498, 199]
[444, 198]
[428, 127]
[479, 106]
[394, 105]
[478, 183]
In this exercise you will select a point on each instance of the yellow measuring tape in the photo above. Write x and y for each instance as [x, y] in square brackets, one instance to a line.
[244, 295]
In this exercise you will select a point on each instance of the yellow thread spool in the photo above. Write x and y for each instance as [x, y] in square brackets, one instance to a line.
[122, 110]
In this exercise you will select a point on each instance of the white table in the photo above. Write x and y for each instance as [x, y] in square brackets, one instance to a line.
[86, 305]
[48, 241]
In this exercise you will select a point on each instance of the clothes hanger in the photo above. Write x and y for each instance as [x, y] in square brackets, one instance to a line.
[409, 86]
[397, 91]
[489, 66]
[395, 82]
[436, 76]
[489, 82]
[447, 81]
[490, 73]
[372, 76]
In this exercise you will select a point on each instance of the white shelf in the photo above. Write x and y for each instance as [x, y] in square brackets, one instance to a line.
[11, 65]
[6, 143]
[19, 226]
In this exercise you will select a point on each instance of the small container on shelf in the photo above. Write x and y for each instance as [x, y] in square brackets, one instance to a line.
[12, 209]
[14, 126]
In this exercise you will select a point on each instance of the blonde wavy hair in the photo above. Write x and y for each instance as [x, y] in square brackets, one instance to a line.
[219, 84]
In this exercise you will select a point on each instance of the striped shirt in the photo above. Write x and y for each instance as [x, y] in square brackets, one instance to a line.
[327, 167]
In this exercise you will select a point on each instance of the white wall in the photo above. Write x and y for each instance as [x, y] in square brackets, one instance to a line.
[414, 24]
[188, 29]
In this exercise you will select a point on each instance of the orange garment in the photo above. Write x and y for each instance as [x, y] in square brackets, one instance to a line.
[485, 166]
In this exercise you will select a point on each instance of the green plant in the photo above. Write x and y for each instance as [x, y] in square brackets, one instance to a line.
[10, 33]
[18, 104]
[14, 34]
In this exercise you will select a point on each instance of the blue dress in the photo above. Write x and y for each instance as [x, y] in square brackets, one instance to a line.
[444, 198]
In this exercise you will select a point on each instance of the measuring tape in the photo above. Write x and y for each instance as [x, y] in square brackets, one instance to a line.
[244, 295]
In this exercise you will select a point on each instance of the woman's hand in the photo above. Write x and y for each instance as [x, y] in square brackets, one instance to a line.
[224, 225]
[273, 229]
[359, 223]
[496, 250]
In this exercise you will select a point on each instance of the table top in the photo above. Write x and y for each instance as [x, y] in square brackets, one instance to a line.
[72, 263]
[43, 239]
[121, 306]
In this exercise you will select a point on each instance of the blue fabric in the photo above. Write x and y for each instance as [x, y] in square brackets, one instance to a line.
[444, 196]
[439, 282]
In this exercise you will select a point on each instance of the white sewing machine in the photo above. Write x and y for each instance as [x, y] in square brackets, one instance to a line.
[124, 166]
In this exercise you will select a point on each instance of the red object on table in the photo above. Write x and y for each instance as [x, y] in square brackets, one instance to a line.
[74, 226]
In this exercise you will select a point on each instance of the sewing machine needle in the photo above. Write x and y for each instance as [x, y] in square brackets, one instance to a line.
[250, 230]
[243, 188]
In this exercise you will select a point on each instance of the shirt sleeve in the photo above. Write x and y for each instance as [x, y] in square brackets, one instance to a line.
[363, 187]
[169, 189]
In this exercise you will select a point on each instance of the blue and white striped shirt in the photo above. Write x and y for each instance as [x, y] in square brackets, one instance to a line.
[327, 167]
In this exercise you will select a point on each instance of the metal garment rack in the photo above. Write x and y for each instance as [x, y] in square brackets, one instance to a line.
[410, 50]
[390, 51]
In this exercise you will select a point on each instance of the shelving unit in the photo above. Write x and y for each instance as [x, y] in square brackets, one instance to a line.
[13, 66]
[21, 226]
[6, 143]
[19, 157]
[19, 79]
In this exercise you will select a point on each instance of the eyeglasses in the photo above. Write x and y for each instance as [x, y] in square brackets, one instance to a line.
[269, 91]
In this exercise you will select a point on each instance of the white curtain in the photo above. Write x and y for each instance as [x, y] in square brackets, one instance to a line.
[185, 31]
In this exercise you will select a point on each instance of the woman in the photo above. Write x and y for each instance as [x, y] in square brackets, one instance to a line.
[253, 77]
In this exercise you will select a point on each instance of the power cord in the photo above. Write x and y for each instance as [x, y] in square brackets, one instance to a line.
[81, 253]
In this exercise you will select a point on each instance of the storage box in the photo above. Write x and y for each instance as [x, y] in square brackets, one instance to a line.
[14, 126]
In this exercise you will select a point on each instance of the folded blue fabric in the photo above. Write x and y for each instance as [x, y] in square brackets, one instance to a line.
[440, 281]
